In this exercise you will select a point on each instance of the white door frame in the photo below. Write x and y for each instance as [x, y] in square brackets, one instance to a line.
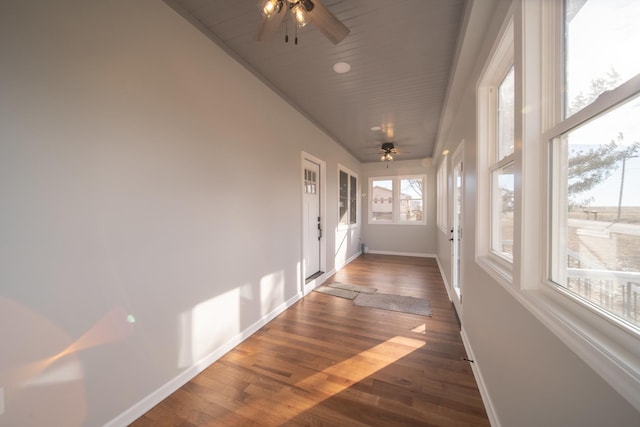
[307, 287]
[457, 252]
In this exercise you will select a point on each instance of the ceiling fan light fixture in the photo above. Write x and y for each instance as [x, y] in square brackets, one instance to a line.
[300, 15]
[269, 7]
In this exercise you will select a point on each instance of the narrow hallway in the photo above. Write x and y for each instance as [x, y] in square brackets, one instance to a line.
[327, 362]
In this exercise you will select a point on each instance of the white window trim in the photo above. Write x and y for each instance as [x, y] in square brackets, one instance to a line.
[396, 200]
[501, 61]
[350, 174]
[610, 348]
[442, 195]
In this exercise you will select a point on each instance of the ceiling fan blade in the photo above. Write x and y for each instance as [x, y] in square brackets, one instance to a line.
[270, 25]
[326, 22]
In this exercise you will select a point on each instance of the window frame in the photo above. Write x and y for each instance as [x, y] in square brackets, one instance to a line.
[501, 61]
[560, 123]
[396, 190]
[496, 163]
[349, 200]
[442, 201]
[610, 348]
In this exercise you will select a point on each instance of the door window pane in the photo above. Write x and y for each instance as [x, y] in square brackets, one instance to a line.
[310, 186]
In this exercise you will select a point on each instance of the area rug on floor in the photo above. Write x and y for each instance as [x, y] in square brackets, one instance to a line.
[354, 288]
[399, 303]
[336, 292]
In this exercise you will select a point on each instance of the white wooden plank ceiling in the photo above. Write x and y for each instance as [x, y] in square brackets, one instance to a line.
[401, 53]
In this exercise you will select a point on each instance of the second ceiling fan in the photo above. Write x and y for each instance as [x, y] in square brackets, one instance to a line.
[303, 12]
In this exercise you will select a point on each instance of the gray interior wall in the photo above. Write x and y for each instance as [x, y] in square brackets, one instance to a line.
[532, 378]
[151, 205]
[401, 239]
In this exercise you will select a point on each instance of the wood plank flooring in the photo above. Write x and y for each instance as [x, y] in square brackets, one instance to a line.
[326, 362]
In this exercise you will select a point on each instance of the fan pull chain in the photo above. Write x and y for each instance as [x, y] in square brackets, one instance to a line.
[286, 28]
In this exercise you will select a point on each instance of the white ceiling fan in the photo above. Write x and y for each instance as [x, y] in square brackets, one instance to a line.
[302, 12]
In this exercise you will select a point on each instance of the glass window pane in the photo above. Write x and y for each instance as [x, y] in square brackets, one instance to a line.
[382, 200]
[353, 206]
[506, 115]
[596, 211]
[503, 204]
[344, 197]
[601, 45]
[411, 199]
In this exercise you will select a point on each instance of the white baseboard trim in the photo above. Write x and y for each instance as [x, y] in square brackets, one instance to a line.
[444, 279]
[348, 261]
[144, 405]
[308, 287]
[416, 254]
[323, 277]
[484, 393]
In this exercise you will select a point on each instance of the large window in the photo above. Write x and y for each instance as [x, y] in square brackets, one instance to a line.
[595, 152]
[558, 215]
[397, 200]
[348, 197]
[496, 158]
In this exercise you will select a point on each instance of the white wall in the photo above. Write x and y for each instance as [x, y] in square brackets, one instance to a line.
[136, 162]
[530, 376]
[401, 239]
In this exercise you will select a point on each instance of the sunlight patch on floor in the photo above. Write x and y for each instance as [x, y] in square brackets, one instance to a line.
[341, 376]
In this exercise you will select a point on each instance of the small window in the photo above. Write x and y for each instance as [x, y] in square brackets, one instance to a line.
[411, 199]
[382, 200]
[397, 200]
[348, 197]
[310, 184]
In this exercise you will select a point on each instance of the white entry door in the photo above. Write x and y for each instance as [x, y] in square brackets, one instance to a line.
[312, 230]
[456, 231]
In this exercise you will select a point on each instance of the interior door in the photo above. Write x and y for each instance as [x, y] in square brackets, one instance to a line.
[457, 229]
[312, 231]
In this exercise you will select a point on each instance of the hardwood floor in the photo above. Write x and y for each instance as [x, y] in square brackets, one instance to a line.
[326, 362]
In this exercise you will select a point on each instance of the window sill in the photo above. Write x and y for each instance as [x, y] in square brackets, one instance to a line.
[498, 269]
[396, 223]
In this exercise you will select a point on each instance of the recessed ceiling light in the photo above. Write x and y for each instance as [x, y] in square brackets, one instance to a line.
[341, 67]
